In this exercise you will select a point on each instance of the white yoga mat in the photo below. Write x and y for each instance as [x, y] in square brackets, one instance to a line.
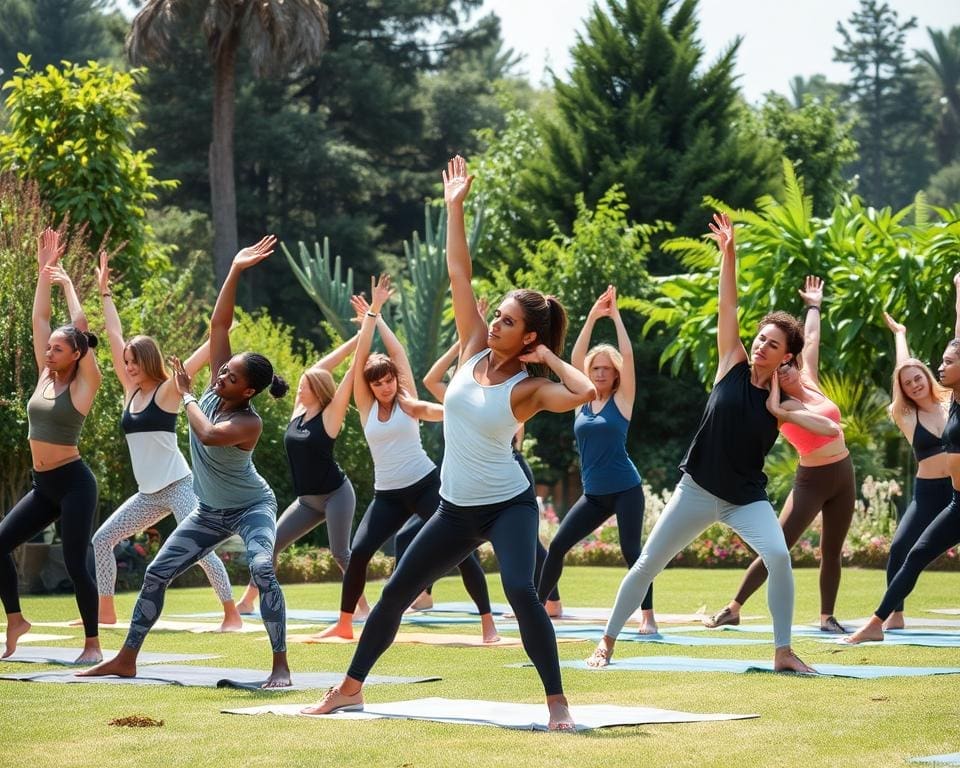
[172, 625]
[525, 717]
[36, 637]
[429, 638]
[38, 654]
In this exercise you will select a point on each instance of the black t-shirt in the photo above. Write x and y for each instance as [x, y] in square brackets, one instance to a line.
[735, 435]
[310, 455]
[951, 430]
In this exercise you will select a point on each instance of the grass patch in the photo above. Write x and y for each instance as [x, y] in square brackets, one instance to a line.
[803, 722]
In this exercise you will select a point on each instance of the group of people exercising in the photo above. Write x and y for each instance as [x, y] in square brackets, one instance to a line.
[506, 371]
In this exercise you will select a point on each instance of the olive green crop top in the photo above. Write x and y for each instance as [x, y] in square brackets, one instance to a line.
[53, 420]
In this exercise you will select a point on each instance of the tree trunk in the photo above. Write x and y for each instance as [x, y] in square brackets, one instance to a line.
[223, 193]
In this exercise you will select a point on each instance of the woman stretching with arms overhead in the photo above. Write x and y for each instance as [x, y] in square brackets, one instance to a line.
[611, 483]
[723, 478]
[824, 481]
[943, 532]
[64, 488]
[164, 480]
[484, 493]
[406, 481]
[234, 499]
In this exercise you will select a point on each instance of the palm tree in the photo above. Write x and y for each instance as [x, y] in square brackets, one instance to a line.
[944, 69]
[280, 35]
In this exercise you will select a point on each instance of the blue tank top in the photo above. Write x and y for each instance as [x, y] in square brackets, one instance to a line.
[605, 466]
[223, 475]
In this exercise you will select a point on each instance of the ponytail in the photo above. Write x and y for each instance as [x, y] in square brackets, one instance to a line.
[278, 387]
[260, 375]
[545, 316]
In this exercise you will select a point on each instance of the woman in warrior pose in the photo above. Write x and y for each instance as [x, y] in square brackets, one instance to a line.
[723, 478]
[164, 480]
[485, 495]
[406, 481]
[324, 492]
[943, 532]
[824, 482]
[234, 499]
[919, 408]
[64, 488]
[611, 483]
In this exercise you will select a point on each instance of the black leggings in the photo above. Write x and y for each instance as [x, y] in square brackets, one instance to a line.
[70, 494]
[939, 536]
[447, 538]
[586, 515]
[930, 496]
[388, 511]
[831, 491]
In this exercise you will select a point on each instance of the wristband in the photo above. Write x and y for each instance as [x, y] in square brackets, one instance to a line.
[812, 306]
[373, 314]
[187, 399]
[104, 295]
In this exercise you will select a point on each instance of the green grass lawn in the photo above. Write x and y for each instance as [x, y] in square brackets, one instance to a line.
[803, 721]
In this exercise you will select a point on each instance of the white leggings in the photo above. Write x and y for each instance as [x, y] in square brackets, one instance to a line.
[692, 509]
[138, 513]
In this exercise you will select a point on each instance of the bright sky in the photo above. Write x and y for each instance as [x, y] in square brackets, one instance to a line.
[781, 38]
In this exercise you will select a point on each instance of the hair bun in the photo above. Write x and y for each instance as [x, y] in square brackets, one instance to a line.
[278, 387]
[92, 340]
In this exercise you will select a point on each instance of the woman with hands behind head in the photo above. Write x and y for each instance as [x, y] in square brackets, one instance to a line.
[234, 498]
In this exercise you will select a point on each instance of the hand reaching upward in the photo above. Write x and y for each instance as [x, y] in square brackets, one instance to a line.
[812, 291]
[254, 254]
[721, 230]
[456, 181]
[49, 248]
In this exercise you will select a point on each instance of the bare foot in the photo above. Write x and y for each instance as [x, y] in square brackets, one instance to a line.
[785, 660]
[232, 621]
[124, 664]
[489, 629]
[729, 614]
[560, 717]
[554, 608]
[91, 653]
[602, 653]
[17, 627]
[648, 623]
[280, 675]
[245, 605]
[424, 602]
[343, 628]
[335, 700]
[363, 609]
[872, 631]
[107, 610]
[894, 621]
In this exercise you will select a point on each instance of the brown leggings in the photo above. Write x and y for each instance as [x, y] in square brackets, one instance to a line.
[832, 490]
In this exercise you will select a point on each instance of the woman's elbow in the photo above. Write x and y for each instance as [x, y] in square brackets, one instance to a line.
[589, 395]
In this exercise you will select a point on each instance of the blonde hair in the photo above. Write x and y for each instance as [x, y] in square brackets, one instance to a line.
[610, 351]
[146, 353]
[321, 384]
[901, 400]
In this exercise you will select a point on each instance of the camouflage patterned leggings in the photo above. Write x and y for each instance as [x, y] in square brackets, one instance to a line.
[197, 535]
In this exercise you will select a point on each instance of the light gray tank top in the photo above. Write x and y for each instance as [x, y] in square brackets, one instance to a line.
[399, 460]
[478, 427]
[223, 475]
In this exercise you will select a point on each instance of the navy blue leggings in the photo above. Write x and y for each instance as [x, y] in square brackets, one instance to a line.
[586, 515]
[388, 511]
[939, 536]
[67, 493]
[930, 496]
[447, 538]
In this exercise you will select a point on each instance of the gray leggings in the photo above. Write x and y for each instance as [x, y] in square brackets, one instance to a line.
[307, 512]
[203, 530]
[138, 513]
[692, 509]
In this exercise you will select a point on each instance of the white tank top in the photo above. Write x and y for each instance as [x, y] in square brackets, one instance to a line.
[478, 427]
[156, 459]
[399, 460]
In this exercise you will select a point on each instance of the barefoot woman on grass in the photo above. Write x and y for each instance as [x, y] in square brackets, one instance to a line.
[485, 495]
[64, 488]
[723, 478]
[234, 499]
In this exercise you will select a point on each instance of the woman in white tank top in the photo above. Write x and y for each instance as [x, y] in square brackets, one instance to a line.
[485, 495]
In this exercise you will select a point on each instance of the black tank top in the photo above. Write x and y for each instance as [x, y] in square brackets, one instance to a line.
[151, 419]
[951, 432]
[310, 455]
[925, 443]
[735, 435]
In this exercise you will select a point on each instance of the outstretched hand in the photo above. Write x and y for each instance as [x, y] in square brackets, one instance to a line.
[49, 248]
[57, 275]
[181, 379]
[893, 325]
[380, 292]
[360, 308]
[456, 181]
[254, 254]
[721, 230]
[812, 291]
[103, 273]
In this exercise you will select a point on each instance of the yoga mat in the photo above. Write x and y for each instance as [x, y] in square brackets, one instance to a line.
[38, 654]
[172, 625]
[330, 617]
[926, 639]
[497, 609]
[430, 638]
[36, 637]
[596, 632]
[913, 622]
[952, 759]
[572, 614]
[687, 664]
[948, 612]
[799, 630]
[212, 677]
[525, 717]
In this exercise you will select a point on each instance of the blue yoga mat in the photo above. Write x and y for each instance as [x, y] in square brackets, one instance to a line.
[687, 664]
[596, 632]
[908, 637]
[799, 630]
[952, 759]
[331, 617]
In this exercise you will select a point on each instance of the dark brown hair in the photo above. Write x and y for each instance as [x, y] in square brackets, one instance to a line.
[792, 328]
[545, 316]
